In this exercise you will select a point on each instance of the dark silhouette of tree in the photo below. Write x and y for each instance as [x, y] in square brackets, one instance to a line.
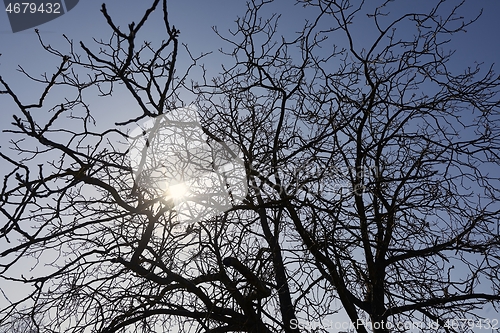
[369, 167]
[21, 324]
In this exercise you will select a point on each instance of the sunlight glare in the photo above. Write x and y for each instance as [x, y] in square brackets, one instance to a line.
[178, 191]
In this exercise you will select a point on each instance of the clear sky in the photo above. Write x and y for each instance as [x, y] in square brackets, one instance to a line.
[194, 18]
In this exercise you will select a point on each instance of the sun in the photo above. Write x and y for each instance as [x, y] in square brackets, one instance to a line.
[177, 192]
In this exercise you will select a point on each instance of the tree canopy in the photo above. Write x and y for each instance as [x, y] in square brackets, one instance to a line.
[328, 173]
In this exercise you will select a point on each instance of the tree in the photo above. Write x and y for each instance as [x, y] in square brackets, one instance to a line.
[21, 324]
[368, 174]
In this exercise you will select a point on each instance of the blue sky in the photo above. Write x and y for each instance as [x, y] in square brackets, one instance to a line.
[195, 19]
